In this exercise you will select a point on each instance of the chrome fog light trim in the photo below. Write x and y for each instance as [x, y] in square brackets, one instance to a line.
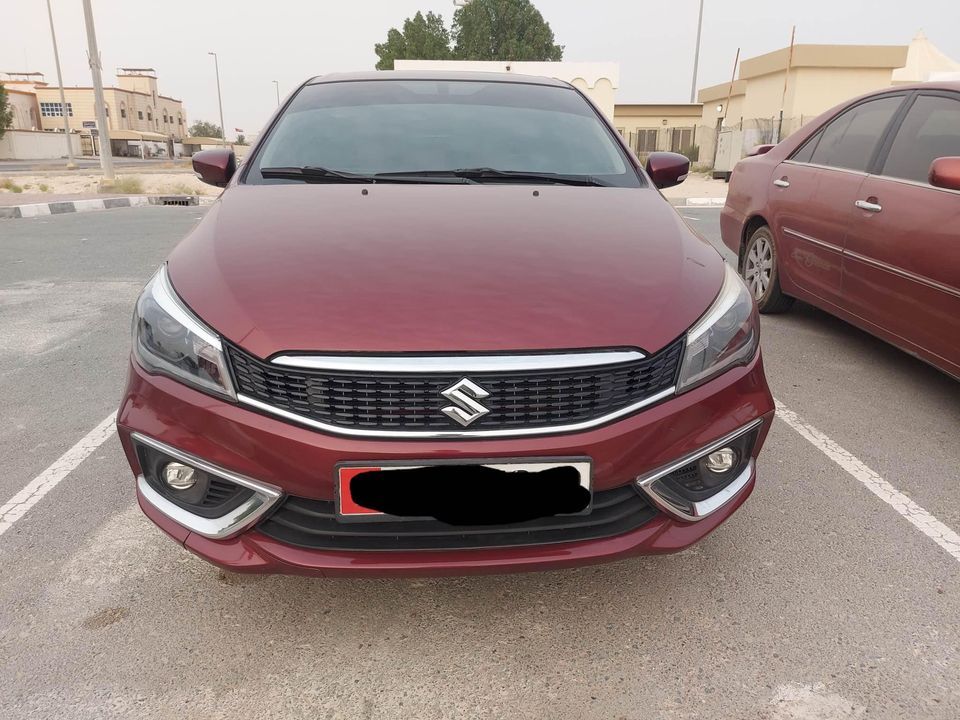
[264, 497]
[700, 509]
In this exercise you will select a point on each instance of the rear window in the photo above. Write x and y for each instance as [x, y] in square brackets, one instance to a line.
[394, 126]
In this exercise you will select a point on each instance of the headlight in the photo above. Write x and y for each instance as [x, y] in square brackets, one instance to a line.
[726, 336]
[169, 339]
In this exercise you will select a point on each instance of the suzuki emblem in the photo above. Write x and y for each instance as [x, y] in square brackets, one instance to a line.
[464, 396]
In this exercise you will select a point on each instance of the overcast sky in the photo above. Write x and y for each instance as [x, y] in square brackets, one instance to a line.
[290, 40]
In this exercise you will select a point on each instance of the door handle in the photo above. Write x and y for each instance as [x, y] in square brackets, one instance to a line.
[782, 183]
[869, 206]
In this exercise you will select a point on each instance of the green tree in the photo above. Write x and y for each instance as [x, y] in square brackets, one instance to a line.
[422, 38]
[6, 112]
[503, 30]
[202, 128]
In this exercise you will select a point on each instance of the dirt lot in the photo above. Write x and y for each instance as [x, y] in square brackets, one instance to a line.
[175, 181]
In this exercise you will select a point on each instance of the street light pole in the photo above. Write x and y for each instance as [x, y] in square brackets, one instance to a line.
[106, 158]
[277, 85]
[71, 165]
[696, 57]
[223, 128]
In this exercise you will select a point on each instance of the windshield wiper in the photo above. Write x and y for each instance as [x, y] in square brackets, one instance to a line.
[480, 174]
[314, 173]
[317, 174]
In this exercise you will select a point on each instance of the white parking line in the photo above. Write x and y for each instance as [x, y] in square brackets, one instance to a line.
[46, 481]
[913, 513]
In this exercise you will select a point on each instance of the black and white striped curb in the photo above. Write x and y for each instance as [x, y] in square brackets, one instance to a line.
[93, 204]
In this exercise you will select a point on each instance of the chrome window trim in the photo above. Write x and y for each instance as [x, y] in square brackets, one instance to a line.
[914, 183]
[457, 364]
[264, 497]
[456, 434]
[861, 173]
[705, 507]
[807, 238]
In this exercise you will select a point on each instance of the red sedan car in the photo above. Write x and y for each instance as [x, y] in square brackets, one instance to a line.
[442, 324]
[859, 214]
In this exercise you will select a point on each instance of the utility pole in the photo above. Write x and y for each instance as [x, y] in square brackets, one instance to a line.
[223, 128]
[276, 84]
[696, 57]
[786, 79]
[106, 158]
[71, 165]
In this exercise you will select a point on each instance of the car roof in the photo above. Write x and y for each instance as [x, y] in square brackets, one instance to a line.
[502, 77]
[953, 85]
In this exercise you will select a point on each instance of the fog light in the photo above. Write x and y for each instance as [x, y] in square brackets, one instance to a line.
[179, 476]
[721, 461]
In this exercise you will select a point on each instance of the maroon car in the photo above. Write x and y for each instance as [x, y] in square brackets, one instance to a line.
[859, 214]
[442, 323]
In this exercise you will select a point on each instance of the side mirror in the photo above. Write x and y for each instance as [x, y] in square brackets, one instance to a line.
[667, 169]
[945, 173]
[215, 167]
[760, 150]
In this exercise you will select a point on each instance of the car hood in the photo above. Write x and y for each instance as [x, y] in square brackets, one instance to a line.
[444, 268]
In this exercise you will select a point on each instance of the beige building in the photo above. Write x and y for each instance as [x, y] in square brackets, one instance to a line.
[654, 127]
[803, 85]
[140, 119]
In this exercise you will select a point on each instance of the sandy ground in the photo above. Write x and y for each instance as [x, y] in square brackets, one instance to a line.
[173, 182]
[698, 186]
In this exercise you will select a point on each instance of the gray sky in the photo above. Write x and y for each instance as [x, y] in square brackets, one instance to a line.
[289, 40]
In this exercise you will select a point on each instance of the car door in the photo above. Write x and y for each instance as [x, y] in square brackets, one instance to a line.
[814, 191]
[902, 259]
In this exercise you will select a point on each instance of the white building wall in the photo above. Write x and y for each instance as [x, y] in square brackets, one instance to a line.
[30, 145]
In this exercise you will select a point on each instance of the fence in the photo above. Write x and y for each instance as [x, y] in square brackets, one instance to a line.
[755, 131]
[644, 141]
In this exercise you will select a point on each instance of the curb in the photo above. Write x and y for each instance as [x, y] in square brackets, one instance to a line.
[94, 204]
[698, 202]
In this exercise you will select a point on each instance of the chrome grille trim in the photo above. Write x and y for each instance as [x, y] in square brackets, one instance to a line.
[458, 364]
[454, 434]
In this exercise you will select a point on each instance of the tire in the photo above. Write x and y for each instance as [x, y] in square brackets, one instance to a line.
[760, 270]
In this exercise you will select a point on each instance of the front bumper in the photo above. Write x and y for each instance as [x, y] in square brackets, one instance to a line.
[298, 461]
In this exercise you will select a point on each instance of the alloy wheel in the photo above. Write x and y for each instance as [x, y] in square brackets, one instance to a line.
[758, 268]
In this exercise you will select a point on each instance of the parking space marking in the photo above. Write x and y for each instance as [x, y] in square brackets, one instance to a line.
[20, 504]
[913, 513]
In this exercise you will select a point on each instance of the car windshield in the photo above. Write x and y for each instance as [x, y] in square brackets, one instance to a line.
[486, 131]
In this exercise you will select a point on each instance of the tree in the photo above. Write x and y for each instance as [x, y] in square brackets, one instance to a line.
[202, 128]
[422, 38]
[241, 139]
[503, 30]
[6, 112]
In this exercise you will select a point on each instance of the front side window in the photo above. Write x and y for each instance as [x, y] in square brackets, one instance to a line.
[850, 140]
[931, 130]
[427, 126]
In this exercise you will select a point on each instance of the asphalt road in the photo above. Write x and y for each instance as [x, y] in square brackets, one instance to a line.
[818, 599]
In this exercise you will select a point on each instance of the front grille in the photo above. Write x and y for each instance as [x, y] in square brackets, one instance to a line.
[413, 401]
[313, 524]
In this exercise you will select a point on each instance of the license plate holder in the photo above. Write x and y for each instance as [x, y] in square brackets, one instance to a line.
[350, 510]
